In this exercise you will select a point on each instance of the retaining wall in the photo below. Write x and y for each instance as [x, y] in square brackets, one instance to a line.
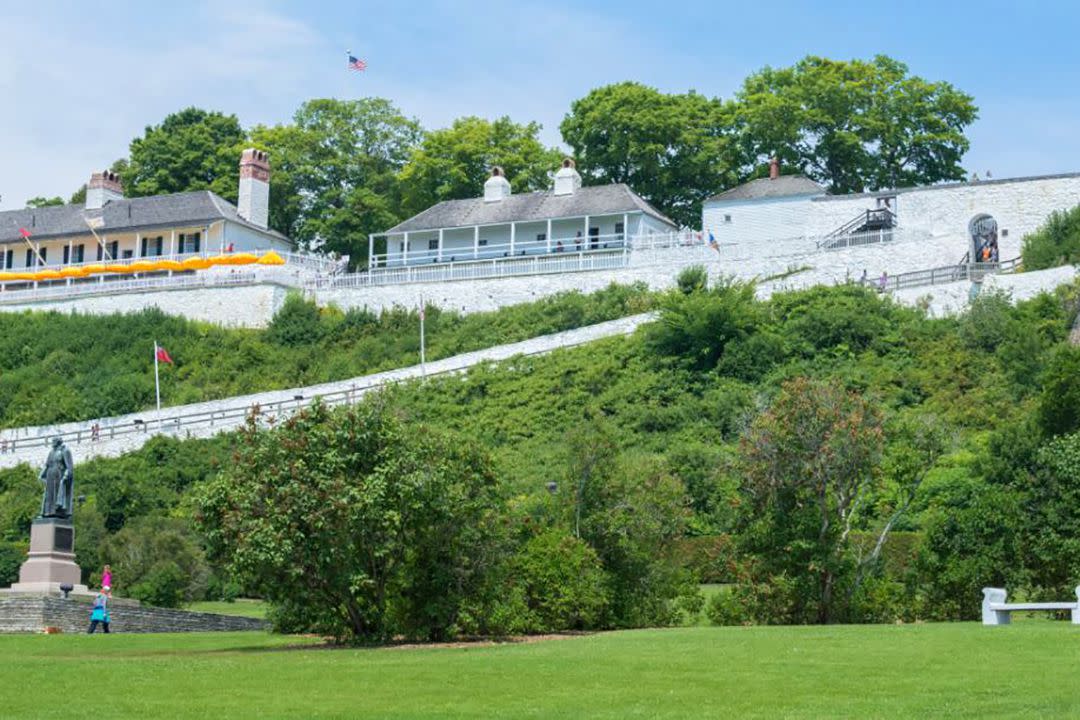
[27, 614]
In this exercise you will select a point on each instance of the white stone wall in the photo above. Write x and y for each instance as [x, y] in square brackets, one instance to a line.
[1019, 206]
[249, 306]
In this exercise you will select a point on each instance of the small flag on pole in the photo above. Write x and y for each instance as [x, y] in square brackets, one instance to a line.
[25, 233]
[356, 63]
[162, 355]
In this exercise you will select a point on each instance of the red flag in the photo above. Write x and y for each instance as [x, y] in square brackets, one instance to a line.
[163, 355]
[25, 233]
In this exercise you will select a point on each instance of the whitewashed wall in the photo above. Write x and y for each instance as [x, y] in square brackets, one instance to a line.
[757, 221]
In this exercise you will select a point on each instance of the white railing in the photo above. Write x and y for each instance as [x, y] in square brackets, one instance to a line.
[564, 262]
[869, 237]
[500, 251]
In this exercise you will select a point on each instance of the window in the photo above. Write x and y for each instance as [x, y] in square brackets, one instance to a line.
[159, 245]
[433, 244]
[152, 246]
[483, 243]
[112, 248]
[44, 253]
[619, 230]
[67, 255]
[727, 218]
[542, 237]
[128, 254]
[189, 242]
[1004, 232]
[9, 259]
[29, 258]
[79, 254]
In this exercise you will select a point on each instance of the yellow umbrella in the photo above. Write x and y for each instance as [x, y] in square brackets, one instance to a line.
[94, 269]
[16, 277]
[170, 265]
[143, 266]
[195, 263]
[243, 259]
[219, 260]
[271, 258]
[73, 272]
[46, 275]
[117, 268]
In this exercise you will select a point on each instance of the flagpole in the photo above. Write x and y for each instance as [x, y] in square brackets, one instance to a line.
[423, 359]
[157, 384]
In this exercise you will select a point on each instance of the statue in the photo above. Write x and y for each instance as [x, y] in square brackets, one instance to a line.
[59, 478]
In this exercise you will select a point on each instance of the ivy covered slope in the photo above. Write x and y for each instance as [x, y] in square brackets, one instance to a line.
[57, 368]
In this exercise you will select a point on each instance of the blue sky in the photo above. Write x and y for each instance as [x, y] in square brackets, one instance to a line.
[80, 80]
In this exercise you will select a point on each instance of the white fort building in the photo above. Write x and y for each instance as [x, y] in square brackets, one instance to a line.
[501, 248]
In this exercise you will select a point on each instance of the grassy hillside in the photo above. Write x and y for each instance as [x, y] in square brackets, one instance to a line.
[57, 368]
[956, 671]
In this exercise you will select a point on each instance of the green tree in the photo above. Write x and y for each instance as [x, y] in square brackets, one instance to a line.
[675, 150]
[809, 461]
[158, 561]
[854, 125]
[1059, 404]
[339, 161]
[40, 202]
[192, 149]
[1056, 242]
[359, 525]
[453, 163]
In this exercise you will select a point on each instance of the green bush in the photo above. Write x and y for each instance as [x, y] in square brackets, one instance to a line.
[1057, 242]
[12, 556]
[564, 584]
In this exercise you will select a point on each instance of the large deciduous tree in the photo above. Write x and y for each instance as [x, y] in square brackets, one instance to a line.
[454, 162]
[673, 149]
[354, 523]
[335, 171]
[193, 149]
[855, 125]
[809, 460]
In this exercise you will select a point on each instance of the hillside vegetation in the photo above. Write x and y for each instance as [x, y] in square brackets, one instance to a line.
[63, 367]
[961, 432]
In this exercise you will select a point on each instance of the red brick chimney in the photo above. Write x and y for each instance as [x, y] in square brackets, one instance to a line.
[774, 168]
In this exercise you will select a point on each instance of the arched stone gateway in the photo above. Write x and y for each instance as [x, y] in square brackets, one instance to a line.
[983, 230]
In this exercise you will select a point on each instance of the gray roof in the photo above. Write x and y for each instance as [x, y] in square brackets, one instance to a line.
[126, 215]
[945, 185]
[783, 186]
[531, 207]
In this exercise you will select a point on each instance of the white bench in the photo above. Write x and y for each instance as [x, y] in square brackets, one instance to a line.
[995, 611]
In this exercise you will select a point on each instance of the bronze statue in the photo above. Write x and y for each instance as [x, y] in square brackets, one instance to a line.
[59, 478]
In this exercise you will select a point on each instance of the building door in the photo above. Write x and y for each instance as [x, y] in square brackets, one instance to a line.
[594, 237]
[983, 230]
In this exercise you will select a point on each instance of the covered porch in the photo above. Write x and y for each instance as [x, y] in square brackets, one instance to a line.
[585, 234]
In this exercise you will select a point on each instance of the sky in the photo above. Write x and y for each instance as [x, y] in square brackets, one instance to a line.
[79, 80]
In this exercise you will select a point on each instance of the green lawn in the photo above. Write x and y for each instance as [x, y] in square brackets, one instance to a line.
[947, 670]
[243, 608]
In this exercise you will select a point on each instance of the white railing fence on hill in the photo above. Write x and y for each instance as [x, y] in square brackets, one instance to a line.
[113, 436]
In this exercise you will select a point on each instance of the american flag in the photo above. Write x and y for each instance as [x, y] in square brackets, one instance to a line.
[357, 64]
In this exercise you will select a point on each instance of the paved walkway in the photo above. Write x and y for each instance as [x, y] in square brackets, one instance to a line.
[122, 434]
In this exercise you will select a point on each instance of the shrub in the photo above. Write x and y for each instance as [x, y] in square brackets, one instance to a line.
[1059, 404]
[565, 587]
[1057, 242]
[12, 556]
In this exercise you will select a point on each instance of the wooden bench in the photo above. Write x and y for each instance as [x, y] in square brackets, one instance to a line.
[995, 611]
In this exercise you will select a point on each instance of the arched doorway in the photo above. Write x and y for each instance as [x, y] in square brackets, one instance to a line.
[983, 230]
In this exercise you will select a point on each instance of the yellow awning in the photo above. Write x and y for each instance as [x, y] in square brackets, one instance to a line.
[47, 275]
[271, 258]
[195, 263]
[243, 259]
[73, 272]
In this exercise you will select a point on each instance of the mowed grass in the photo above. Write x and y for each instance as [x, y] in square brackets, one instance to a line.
[937, 670]
[241, 607]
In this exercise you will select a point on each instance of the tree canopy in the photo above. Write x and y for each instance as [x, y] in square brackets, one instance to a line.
[454, 162]
[854, 125]
[673, 149]
[192, 149]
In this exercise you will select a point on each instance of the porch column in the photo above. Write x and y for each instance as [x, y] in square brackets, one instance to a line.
[585, 232]
[71, 249]
[172, 245]
[625, 229]
[138, 246]
[513, 234]
[476, 242]
[548, 236]
[370, 251]
[405, 250]
[440, 244]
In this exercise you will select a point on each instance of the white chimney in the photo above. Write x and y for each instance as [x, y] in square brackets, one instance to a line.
[567, 180]
[253, 203]
[497, 187]
[104, 187]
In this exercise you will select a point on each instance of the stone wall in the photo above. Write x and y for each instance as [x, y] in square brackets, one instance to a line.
[72, 615]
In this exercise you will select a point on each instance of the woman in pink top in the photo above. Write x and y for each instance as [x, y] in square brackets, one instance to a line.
[106, 577]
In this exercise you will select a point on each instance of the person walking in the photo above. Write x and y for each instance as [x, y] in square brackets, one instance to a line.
[106, 577]
[100, 613]
[883, 281]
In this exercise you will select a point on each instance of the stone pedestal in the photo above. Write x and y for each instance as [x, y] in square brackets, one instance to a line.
[52, 559]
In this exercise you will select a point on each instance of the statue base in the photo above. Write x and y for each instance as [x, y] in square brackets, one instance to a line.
[51, 560]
